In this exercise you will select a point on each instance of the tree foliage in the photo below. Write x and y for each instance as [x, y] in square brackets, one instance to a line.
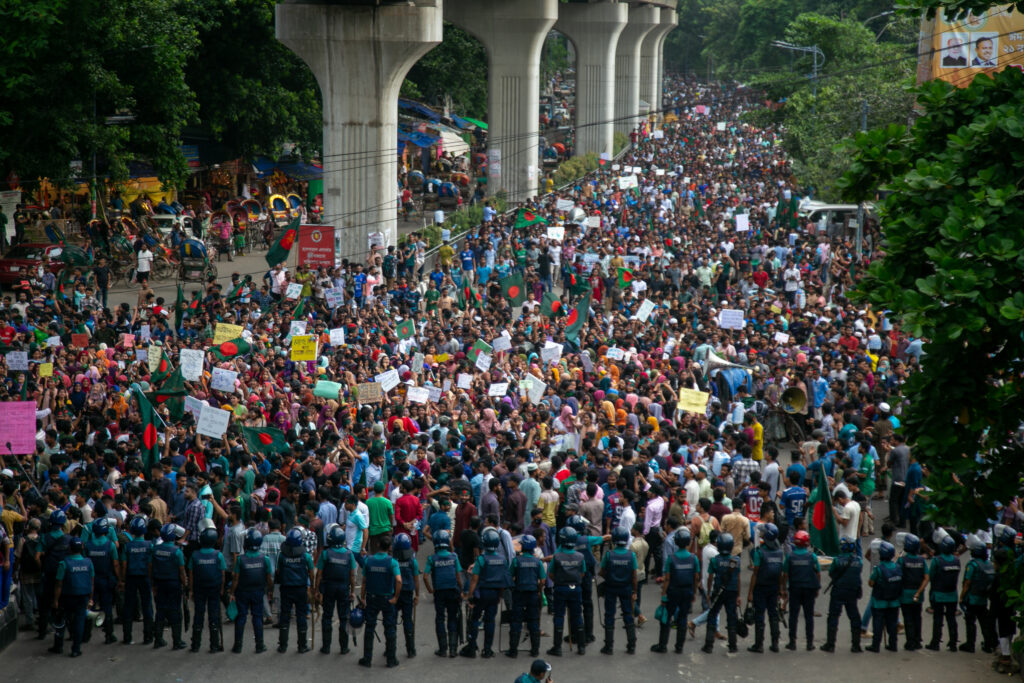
[954, 256]
[456, 69]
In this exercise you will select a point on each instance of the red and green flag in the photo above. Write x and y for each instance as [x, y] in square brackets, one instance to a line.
[470, 297]
[406, 329]
[794, 212]
[150, 448]
[526, 217]
[300, 310]
[231, 349]
[282, 247]
[823, 528]
[576, 318]
[163, 368]
[514, 289]
[179, 308]
[551, 305]
[624, 277]
[171, 393]
[266, 440]
[479, 347]
[578, 285]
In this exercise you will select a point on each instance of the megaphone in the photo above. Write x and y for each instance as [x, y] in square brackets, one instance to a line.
[793, 400]
[577, 216]
[716, 362]
[92, 620]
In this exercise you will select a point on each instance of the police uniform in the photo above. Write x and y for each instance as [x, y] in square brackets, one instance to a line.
[913, 569]
[981, 574]
[55, 549]
[207, 566]
[166, 564]
[102, 552]
[138, 591]
[846, 591]
[769, 562]
[567, 570]
[528, 575]
[253, 569]
[294, 565]
[584, 545]
[680, 570]
[725, 569]
[944, 573]
[801, 569]
[406, 604]
[75, 575]
[618, 567]
[379, 573]
[445, 569]
[335, 567]
[886, 590]
[493, 579]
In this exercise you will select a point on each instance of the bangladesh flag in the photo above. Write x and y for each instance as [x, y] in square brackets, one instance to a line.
[551, 305]
[300, 310]
[479, 347]
[406, 329]
[794, 212]
[230, 349]
[470, 297]
[578, 285]
[179, 308]
[279, 251]
[171, 393]
[163, 368]
[525, 218]
[577, 317]
[236, 291]
[624, 277]
[822, 528]
[266, 440]
[150, 449]
[514, 289]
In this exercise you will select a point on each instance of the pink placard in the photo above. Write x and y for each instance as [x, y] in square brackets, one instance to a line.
[18, 427]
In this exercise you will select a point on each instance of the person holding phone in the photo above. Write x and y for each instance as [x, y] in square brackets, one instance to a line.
[540, 672]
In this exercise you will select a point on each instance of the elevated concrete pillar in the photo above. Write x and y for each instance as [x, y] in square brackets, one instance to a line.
[360, 56]
[652, 67]
[513, 32]
[642, 18]
[594, 30]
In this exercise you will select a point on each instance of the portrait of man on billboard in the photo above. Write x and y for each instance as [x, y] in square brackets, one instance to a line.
[984, 51]
[953, 54]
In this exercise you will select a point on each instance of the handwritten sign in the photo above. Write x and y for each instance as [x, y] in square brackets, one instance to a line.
[297, 327]
[645, 310]
[213, 422]
[435, 394]
[338, 336]
[294, 291]
[128, 340]
[335, 297]
[782, 337]
[142, 355]
[155, 354]
[418, 395]
[536, 391]
[551, 352]
[80, 341]
[465, 380]
[556, 232]
[501, 343]
[369, 392]
[325, 389]
[417, 363]
[564, 205]
[19, 426]
[498, 389]
[742, 222]
[223, 380]
[226, 332]
[191, 361]
[45, 370]
[483, 362]
[17, 360]
[388, 380]
[615, 353]
[731, 319]
[693, 401]
[194, 406]
[304, 347]
[145, 333]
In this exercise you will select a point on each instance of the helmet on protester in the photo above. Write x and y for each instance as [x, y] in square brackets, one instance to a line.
[490, 539]
[725, 543]
[620, 537]
[253, 539]
[567, 537]
[207, 538]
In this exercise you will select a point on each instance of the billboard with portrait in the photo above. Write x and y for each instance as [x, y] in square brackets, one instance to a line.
[957, 50]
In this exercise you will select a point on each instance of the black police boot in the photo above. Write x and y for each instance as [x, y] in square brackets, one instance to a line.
[609, 642]
[469, 650]
[343, 641]
[442, 644]
[556, 649]
[176, 642]
[108, 632]
[513, 645]
[731, 633]
[830, 640]
[680, 638]
[197, 638]
[126, 633]
[773, 624]
[855, 641]
[953, 637]
[390, 647]
[237, 647]
[260, 647]
[282, 639]
[581, 641]
[453, 644]
[58, 643]
[410, 643]
[758, 645]
[662, 644]
[709, 641]
[631, 639]
[588, 627]
[303, 641]
[970, 637]
[216, 639]
[791, 645]
[158, 639]
[534, 643]
[147, 632]
[367, 658]
[326, 633]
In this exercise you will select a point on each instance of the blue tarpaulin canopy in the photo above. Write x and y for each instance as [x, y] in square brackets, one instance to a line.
[417, 138]
[421, 109]
[299, 171]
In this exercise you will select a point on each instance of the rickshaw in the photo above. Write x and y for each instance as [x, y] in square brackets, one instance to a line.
[217, 223]
[279, 208]
[416, 181]
[294, 203]
[195, 262]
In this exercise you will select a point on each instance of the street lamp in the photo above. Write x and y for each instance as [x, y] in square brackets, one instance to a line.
[810, 49]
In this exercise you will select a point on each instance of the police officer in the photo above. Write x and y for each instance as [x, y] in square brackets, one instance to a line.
[102, 552]
[618, 568]
[567, 569]
[135, 563]
[490, 576]
[167, 572]
[725, 570]
[252, 578]
[382, 582]
[402, 551]
[913, 569]
[978, 579]
[886, 583]
[680, 582]
[53, 549]
[74, 584]
[584, 545]
[442, 579]
[846, 591]
[528, 578]
[765, 583]
[944, 575]
[335, 578]
[295, 570]
[801, 579]
[206, 569]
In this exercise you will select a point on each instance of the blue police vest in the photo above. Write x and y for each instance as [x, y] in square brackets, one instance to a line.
[947, 576]
[137, 552]
[982, 579]
[727, 573]
[682, 570]
[494, 573]
[206, 571]
[101, 552]
[889, 584]
[379, 575]
[337, 566]
[846, 575]
[405, 567]
[801, 571]
[252, 572]
[618, 568]
[914, 570]
[444, 572]
[77, 576]
[567, 568]
[770, 569]
[165, 568]
[293, 570]
[527, 573]
[589, 561]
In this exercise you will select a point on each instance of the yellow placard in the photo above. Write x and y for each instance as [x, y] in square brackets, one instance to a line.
[46, 369]
[226, 332]
[693, 401]
[304, 347]
[441, 357]
[776, 309]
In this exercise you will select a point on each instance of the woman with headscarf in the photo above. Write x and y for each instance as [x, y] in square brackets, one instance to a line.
[563, 428]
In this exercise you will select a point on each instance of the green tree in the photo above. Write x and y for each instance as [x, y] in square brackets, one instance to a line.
[554, 55]
[457, 68]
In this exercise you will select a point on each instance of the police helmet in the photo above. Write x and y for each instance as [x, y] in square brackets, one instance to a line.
[137, 527]
[886, 551]
[401, 547]
[293, 538]
[911, 543]
[1005, 535]
[567, 537]
[335, 536]
[528, 544]
[167, 534]
[801, 539]
[769, 532]
[977, 547]
[75, 545]
[947, 545]
[443, 539]
[577, 522]
[253, 539]
[356, 617]
[847, 545]
[683, 538]
[58, 519]
[100, 527]
[725, 543]
[620, 537]
[490, 540]
[207, 538]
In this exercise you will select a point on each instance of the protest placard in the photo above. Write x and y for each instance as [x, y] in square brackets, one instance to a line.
[731, 319]
[191, 361]
[388, 380]
[223, 332]
[498, 389]
[223, 380]
[465, 380]
[304, 347]
[418, 395]
[369, 392]
[213, 422]
[693, 401]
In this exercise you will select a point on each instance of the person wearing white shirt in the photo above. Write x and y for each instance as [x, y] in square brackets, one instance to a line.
[145, 263]
[847, 514]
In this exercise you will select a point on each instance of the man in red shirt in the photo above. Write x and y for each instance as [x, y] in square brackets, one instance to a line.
[408, 511]
[760, 277]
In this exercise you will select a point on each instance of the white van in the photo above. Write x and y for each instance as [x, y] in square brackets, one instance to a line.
[834, 220]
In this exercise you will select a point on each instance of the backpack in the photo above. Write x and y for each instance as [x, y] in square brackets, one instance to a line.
[704, 537]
